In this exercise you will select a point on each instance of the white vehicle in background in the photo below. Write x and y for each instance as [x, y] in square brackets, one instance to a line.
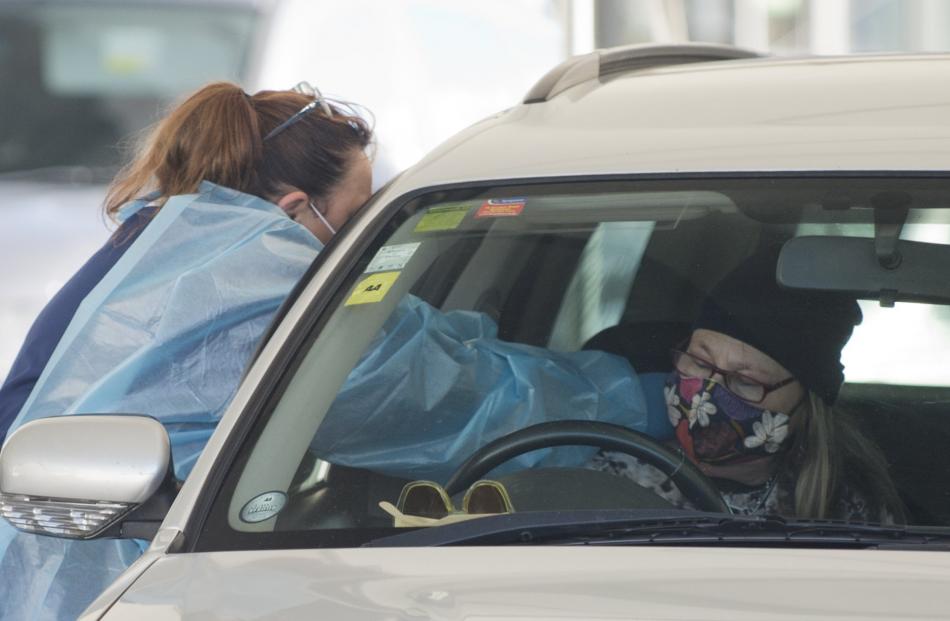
[80, 81]
[584, 207]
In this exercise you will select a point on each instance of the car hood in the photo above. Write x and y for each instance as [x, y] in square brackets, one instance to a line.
[561, 583]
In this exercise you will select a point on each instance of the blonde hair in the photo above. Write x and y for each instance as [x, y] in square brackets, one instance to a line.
[836, 458]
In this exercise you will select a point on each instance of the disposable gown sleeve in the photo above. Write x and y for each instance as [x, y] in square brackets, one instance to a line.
[435, 386]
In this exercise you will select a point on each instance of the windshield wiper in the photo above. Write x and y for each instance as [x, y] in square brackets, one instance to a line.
[765, 531]
[665, 527]
[530, 527]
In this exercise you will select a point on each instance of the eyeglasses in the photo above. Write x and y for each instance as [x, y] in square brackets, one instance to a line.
[430, 500]
[304, 88]
[738, 384]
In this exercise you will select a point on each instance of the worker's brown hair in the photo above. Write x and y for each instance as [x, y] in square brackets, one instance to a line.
[217, 135]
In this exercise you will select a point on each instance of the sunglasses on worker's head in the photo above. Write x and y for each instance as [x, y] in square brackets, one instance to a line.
[349, 112]
[307, 89]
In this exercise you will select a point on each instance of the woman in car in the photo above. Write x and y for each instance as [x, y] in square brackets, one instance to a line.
[751, 400]
[163, 319]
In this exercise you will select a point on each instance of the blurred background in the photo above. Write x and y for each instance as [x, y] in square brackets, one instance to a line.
[80, 79]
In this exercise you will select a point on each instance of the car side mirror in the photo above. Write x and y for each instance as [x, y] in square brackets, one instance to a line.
[86, 477]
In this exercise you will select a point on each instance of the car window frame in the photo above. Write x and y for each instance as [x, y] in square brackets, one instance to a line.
[255, 414]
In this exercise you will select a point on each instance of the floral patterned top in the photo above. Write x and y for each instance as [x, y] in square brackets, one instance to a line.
[775, 496]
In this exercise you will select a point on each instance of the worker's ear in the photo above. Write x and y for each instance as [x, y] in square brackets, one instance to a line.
[293, 203]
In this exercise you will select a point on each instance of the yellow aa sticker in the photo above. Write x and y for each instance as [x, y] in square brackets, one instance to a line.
[372, 289]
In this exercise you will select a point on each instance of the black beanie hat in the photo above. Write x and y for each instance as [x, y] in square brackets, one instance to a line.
[802, 330]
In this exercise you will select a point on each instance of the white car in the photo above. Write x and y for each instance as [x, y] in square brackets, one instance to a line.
[421, 344]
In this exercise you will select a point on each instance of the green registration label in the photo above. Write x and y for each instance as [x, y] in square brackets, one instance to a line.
[444, 218]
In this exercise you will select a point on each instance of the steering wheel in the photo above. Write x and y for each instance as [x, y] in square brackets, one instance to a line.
[694, 485]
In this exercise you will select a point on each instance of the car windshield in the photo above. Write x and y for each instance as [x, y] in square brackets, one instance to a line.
[80, 77]
[506, 349]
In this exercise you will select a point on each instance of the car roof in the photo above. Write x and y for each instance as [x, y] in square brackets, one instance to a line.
[849, 113]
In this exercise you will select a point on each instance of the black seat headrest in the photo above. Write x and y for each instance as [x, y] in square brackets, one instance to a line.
[645, 344]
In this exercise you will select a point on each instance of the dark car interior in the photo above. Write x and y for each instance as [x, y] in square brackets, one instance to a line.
[676, 270]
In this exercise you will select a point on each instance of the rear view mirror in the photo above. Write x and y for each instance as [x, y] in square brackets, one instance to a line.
[920, 273]
[84, 477]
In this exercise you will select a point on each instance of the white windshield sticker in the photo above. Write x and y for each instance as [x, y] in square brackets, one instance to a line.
[392, 258]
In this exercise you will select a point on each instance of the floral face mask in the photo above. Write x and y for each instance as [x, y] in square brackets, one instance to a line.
[715, 426]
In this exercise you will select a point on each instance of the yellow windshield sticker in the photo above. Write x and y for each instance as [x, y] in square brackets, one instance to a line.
[444, 218]
[372, 289]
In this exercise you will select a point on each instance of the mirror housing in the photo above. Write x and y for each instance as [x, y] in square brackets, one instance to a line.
[918, 272]
[87, 476]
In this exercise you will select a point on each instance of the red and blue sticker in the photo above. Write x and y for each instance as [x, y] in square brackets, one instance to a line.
[501, 208]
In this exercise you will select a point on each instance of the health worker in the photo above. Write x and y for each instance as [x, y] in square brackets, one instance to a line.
[228, 201]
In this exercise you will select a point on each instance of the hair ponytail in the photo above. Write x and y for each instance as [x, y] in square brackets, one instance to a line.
[216, 135]
[213, 135]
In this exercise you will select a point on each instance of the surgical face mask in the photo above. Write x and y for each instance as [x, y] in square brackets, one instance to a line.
[326, 223]
[714, 425]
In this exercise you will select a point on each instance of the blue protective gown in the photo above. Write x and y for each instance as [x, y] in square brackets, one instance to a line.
[162, 325]
[422, 421]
